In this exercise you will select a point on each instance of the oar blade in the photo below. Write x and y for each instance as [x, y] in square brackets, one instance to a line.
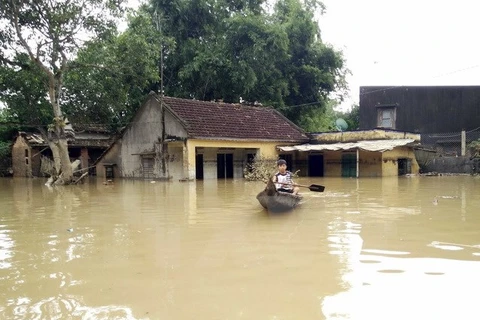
[316, 188]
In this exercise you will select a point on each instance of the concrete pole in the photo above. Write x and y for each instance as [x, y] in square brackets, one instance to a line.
[464, 143]
[358, 163]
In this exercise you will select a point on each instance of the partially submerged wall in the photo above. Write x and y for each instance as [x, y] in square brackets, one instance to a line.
[452, 165]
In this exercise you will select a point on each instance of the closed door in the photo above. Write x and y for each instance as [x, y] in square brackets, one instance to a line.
[349, 165]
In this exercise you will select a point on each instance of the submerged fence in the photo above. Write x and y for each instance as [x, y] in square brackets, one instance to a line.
[462, 143]
[455, 152]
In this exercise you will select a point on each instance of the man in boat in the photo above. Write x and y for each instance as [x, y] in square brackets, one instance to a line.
[283, 178]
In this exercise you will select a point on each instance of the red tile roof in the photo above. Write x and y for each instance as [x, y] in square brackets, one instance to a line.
[217, 120]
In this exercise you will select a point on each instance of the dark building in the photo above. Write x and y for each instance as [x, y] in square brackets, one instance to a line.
[446, 117]
[420, 109]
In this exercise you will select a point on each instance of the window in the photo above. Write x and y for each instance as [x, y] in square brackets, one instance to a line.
[386, 118]
[109, 172]
[148, 164]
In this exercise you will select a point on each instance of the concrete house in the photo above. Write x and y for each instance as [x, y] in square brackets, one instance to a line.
[184, 139]
[446, 117]
[363, 153]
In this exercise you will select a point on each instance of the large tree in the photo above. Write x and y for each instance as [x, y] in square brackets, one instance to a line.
[50, 32]
[236, 49]
[314, 69]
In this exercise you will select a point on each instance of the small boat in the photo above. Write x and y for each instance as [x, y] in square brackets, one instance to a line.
[277, 201]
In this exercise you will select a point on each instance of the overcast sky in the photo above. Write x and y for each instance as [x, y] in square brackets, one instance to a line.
[408, 42]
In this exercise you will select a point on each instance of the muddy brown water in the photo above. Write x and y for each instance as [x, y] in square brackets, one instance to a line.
[391, 248]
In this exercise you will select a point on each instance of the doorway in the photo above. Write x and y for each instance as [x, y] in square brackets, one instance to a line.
[315, 165]
[199, 166]
[404, 166]
[224, 165]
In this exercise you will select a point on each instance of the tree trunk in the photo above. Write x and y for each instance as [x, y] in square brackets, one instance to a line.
[58, 143]
[57, 137]
[56, 156]
[66, 172]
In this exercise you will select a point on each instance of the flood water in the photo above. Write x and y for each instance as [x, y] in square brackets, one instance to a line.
[391, 248]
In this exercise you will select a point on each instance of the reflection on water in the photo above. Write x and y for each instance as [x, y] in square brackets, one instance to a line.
[392, 248]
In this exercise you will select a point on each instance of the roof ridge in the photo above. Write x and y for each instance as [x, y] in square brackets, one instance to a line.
[220, 103]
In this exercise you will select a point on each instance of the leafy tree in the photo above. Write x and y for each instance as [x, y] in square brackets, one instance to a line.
[113, 75]
[352, 117]
[318, 119]
[234, 49]
[314, 69]
[50, 33]
[22, 90]
[6, 135]
[198, 63]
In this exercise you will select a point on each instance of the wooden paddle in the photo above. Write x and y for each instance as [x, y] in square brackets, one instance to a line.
[312, 187]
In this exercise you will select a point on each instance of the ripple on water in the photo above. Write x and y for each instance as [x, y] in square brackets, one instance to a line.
[6, 246]
[61, 307]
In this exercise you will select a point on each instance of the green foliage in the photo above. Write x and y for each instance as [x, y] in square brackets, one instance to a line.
[315, 119]
[39, 40]
[5, 150]
[112, 76]
[6, 136]
[239, 51]
[23, 91]
[212, 49]
[352, 117]
[314, 69]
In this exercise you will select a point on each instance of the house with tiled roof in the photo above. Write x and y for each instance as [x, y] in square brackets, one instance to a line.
[173, 138]
[85, 143]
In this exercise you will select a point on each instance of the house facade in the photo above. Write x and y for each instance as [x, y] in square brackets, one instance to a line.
[368, 153]
[184, 139]
[446, 117]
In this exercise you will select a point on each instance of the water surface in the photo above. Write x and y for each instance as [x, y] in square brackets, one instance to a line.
[391, 248]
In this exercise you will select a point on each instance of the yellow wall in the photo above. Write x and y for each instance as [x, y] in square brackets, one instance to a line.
[370, 164]
[390, 164]
[333, 163]
[266, 149]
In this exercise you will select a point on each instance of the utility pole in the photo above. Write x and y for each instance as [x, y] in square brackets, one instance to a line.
[163, 146]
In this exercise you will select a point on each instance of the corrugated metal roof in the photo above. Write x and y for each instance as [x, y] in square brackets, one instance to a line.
[367, 145]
